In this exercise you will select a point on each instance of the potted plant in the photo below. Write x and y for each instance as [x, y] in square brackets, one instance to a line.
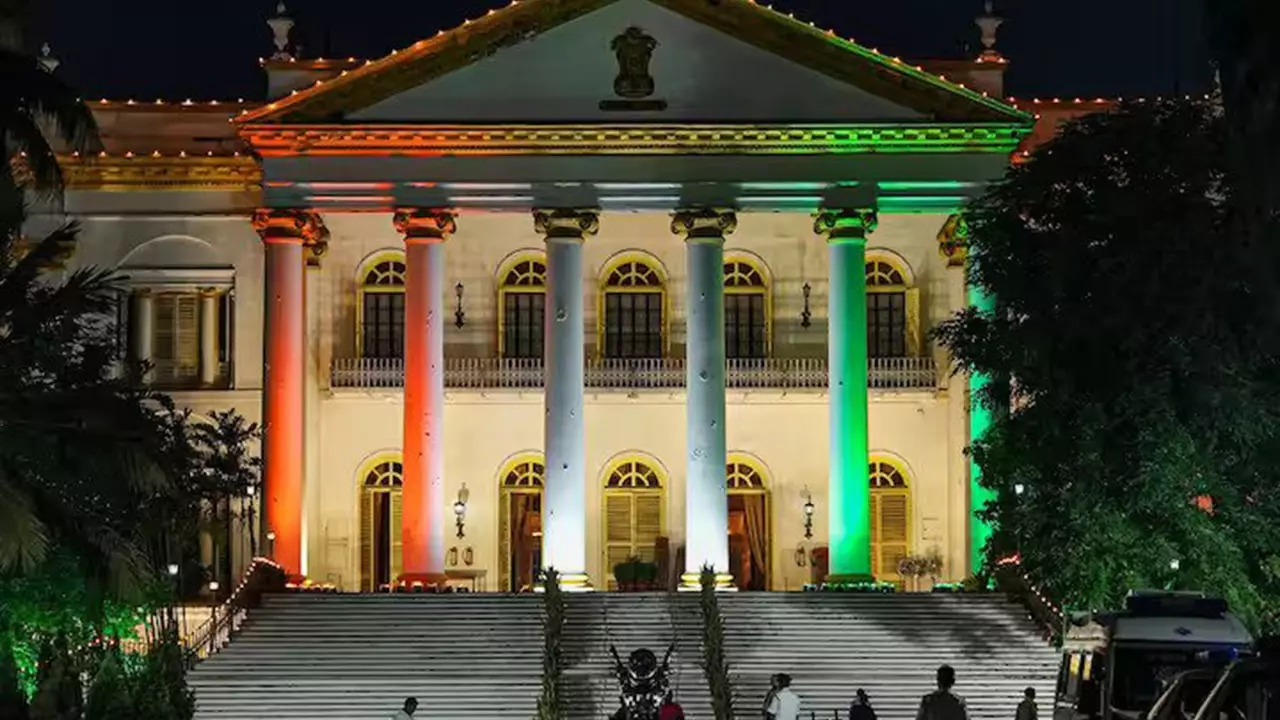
[646, 576]
[625, 574]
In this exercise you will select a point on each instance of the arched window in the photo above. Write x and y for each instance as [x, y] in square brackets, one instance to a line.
[746, 310]
[633, 321]
[633, 512]
[741, 476]
[520, 522]
[382, 307]
[891, 311]
[890, 519]
[522, 296]
[381, 559]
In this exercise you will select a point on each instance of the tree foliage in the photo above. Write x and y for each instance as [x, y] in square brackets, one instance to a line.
[1128, 338]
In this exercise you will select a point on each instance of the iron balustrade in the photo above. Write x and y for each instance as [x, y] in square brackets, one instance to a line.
[908, 373]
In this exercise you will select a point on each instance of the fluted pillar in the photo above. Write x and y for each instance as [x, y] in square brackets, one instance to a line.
[849, 491]
[423, 525]
[564, 530]
[143, 311]
[706, 454]
[285, 233]
[209, 330]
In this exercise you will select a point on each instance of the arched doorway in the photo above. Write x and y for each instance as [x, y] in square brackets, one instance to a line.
[890, 519]
[380, 513]
[749, 525]
[634, 512]
[520, 523]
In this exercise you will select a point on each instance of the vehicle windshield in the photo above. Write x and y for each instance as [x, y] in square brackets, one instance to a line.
[1142, 674]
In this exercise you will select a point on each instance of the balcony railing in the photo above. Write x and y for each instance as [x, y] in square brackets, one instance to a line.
[657, 374]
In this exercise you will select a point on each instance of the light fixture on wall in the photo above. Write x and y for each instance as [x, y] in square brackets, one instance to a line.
[808, 514]
[805, 315]
[1019, 489]
[460, 509]
[459, 316]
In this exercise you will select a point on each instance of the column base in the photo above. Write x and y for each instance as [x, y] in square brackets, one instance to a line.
[851, 579]
[571, 583]
[421, 583]
[692, 582]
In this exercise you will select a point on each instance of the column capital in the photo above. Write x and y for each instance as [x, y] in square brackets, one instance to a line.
[287, 225]
[953, 241]
[704, 223]
[846, 223]
[566, 224]
[425, 224]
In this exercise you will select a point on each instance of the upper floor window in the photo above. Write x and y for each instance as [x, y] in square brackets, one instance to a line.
[382, 308]
[183, 335]
[634, 311]
[523, 300]
[887, 321]
[746, 311]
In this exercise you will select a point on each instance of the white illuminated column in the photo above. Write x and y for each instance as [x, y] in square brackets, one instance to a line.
[706, 499]
[564, 532]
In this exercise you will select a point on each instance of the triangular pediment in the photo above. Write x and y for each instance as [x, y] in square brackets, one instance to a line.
[627, 61]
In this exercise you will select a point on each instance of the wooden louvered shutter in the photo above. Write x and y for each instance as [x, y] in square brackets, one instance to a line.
[618, 536]
[893, 531]
[187, 332]
[915, 346]
[163, 324]
[504, 541]
[397, 541]
[648, 514]
[366, 541]
[876, 571]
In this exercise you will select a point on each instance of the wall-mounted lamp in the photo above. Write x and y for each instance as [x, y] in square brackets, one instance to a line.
[459, 316]
[213, 586]
[1019, 489]
[173, 569]
[251, 490]
[805, 315]
[460, 509]
[808, 514]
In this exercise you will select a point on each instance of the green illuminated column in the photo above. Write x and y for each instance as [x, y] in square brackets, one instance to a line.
[849, 489]
[979, 421]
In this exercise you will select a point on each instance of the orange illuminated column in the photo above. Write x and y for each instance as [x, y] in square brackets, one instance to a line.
[424, 513]
[285, 233]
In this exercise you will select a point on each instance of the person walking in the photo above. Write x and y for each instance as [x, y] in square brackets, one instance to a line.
[406, 712]
[785, 704]
[1027, 709]
[860, 708]
[942, 704]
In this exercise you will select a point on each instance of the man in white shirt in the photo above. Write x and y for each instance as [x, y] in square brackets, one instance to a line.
[406, 712]
[785, 704]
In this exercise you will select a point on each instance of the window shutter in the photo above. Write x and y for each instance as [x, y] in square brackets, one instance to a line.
[188, 335]
[504, 541]
[366, 541]
[894, 524]
[617, 531]
[397, 541]
[163, 324]
[876, 571]
[914, 344]
[648, 525]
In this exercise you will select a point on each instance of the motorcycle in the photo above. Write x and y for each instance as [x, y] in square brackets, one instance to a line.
[644, 683]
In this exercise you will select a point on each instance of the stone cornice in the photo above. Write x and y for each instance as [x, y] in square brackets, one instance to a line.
[149, 172]
[496, 140]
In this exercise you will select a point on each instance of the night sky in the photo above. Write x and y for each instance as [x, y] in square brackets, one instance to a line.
[209, 49]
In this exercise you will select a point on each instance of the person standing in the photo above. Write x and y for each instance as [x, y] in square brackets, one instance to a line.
[768, 698]
[406, 712]
[860, 708]
[1027, 709]
[785, 704]
[942, 704]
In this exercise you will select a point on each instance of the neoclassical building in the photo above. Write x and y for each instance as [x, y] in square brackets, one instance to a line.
[578, 281]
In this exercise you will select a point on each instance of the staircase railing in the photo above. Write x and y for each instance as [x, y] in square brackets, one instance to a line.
[1013, 579]
[261, 577]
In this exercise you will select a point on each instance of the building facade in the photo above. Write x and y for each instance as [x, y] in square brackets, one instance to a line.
[579, 281]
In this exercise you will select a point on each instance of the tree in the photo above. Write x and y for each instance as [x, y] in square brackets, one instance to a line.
[109, 697]
[1139, 389]
[13, 702]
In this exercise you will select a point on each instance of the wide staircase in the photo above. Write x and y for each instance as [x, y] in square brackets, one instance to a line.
[357, 656]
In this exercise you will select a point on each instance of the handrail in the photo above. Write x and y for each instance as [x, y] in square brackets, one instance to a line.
[1014, 580]
[903, 373]
[261, 577]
